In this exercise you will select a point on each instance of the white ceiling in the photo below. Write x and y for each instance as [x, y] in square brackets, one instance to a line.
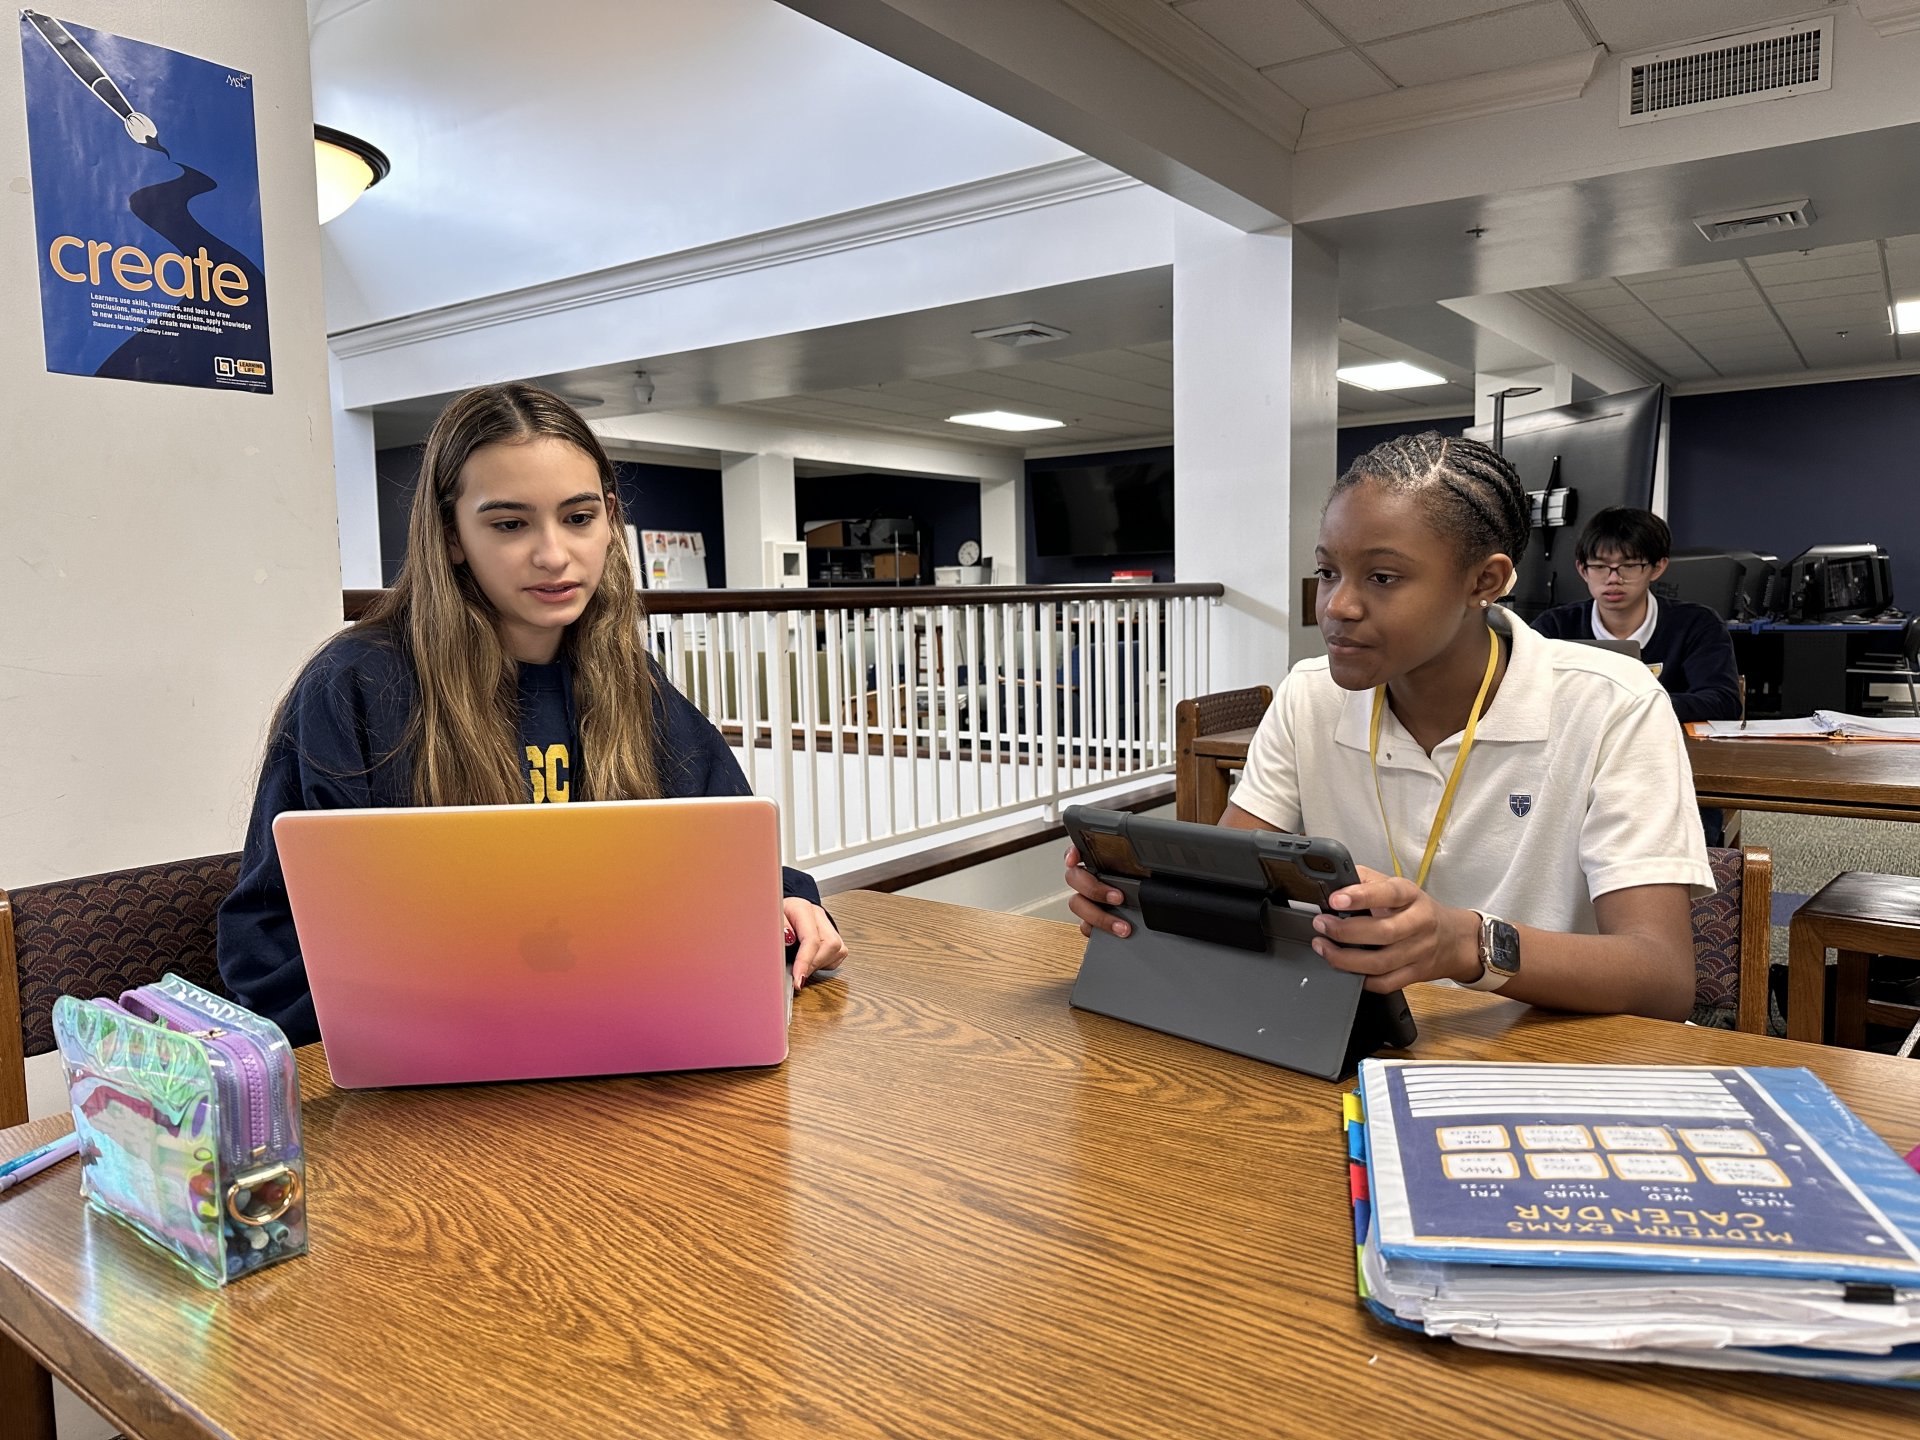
[1108, 398]
[1322, 52]
[1823, 308]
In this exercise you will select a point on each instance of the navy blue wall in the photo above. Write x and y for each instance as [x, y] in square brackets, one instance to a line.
[677, 497]
[948, 510]
[655, 497]
[395, 472]
[1095, 569]
[1779, 470]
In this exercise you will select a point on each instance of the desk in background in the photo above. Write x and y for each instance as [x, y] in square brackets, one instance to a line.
[1857, 779]
[960, 1209]
[1797, 669]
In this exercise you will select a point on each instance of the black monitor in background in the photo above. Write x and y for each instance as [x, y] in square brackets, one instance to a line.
[1600, 451]
[1118, 509]
[1709, 578]
[1731, 583]
[1834, 582]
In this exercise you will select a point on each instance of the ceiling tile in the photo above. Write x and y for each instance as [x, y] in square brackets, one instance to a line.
[1836, 288]
[1678, 283]
[1262, 32]
[1865, 249]
[1678, 305]
[1629, 25]
[1834, 267]
[1093, 383]
[1364, 20]
[1473, 47]
[1126, 365]
[1859, 348]
[1327, 80]
[1853, 310]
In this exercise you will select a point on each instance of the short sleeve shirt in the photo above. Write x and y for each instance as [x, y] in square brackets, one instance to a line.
[1577, 785]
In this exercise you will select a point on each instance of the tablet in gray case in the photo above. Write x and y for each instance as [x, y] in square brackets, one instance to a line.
[1282, 1004]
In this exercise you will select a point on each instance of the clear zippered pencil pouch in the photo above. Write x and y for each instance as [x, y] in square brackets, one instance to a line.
[187, 1108]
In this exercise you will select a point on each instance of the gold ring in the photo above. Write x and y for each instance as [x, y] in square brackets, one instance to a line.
[254, 1181]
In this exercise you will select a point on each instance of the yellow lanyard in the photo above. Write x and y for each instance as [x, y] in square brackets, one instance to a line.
[1453, 780]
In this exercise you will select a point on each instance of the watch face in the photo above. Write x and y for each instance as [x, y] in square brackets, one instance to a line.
[1503, 948]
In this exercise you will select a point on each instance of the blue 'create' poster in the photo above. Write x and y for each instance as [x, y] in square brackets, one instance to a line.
[146, 208]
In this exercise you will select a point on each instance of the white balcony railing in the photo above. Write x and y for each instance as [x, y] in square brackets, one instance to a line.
[877, 717]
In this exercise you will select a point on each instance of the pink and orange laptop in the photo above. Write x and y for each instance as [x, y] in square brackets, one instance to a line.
[535, 941]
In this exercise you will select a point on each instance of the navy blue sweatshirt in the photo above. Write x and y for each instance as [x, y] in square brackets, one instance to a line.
[339, 747]
[1690, 644]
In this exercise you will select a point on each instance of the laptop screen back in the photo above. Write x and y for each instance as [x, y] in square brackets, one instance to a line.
[531, 941]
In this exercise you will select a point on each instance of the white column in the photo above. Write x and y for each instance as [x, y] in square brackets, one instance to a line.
[1555, 384]
[1255, 348]
[756, 500]
[355, 488]
[1003, 529]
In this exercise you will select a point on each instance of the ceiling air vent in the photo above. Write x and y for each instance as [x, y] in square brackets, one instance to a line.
[1733, 224]
[1739, 69]
[1027, 332]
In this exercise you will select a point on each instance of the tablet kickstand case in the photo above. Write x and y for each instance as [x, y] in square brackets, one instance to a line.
[1217, 955]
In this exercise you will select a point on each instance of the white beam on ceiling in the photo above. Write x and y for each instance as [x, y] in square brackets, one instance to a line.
[1562, 338]
[729, 433]
[1124, 81]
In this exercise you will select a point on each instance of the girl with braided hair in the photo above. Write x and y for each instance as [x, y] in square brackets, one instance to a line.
[1521, 809]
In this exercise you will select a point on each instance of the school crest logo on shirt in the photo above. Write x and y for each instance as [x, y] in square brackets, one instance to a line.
[1520, 804]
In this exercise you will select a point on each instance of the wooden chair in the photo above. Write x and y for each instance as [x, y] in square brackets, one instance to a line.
[1201, 787]
[93, 936]
[99, 935]
[1860, 915]
[1731, 942]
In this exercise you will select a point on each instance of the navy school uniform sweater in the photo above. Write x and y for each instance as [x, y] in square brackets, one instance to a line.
[1690, 645]
[339, 746]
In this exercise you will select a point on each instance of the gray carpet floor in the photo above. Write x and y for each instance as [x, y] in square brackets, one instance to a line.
[1809, 850]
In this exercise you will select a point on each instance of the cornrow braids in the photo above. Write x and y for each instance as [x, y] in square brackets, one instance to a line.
[1470, 491]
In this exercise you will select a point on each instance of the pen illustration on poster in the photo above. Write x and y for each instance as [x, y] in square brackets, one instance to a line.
[146, 208]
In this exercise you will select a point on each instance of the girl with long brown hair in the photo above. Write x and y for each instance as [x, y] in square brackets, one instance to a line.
[506, 665]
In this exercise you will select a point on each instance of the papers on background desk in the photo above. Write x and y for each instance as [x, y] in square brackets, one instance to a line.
[1821, 725]
[1710, 1216]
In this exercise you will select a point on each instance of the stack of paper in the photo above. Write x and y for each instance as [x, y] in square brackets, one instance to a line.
[1821, 725]
[1718, 1217]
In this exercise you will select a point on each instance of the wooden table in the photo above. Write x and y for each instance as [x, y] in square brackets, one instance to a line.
[1217, 756]
[1864, 780]
[961, 1209]
[1859, 779]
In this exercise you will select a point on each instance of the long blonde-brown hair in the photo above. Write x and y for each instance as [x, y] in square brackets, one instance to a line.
[464, 733]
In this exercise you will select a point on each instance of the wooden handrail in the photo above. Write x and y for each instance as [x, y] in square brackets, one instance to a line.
[354, 603]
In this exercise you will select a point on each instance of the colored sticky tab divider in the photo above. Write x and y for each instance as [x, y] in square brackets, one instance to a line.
[1353, 1118]
[1913, 1157]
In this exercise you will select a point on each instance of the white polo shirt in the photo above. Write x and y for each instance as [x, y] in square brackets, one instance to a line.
[1577, 784]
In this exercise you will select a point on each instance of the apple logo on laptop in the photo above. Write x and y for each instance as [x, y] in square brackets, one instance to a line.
[549, 948]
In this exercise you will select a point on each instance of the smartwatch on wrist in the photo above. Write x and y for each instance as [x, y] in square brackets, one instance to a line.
[1499, 953]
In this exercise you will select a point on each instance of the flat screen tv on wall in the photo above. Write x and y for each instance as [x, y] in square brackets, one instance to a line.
[1124, 509]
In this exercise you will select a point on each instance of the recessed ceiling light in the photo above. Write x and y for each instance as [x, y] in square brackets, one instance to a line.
[1906, 317]
[1394, 375]
[1005, 420]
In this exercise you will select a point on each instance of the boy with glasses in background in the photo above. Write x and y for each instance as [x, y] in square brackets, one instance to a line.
[1620, 554]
